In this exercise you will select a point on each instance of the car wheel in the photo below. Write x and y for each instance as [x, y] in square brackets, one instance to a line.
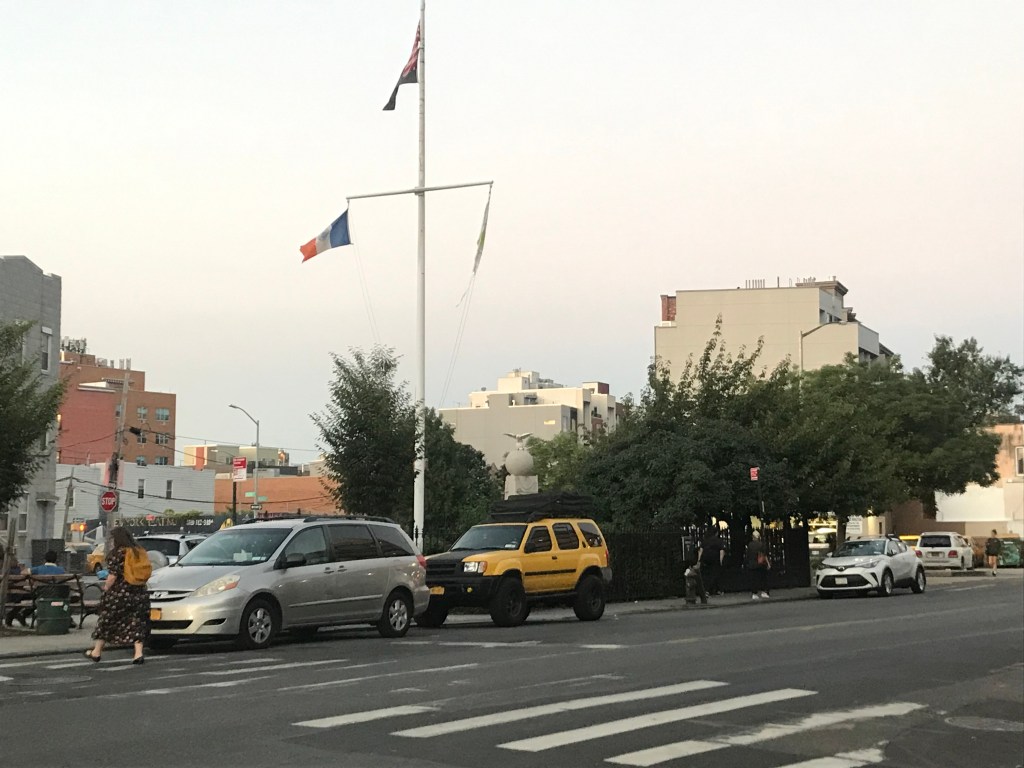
[589, 603]
[508, 606]
[886, 587]
[920, 582]
[824, 595]
[396, 616]
[258, 626]
[434, 616]
[160, 643]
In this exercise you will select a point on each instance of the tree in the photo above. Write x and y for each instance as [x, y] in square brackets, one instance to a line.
[28, 408]
[368, 432]
[558, 461]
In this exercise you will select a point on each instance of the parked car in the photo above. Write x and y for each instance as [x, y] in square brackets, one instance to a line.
[173, 545]
[870, 564]
[95, 560]
[255, 579]
[509, 566]
[944, 549]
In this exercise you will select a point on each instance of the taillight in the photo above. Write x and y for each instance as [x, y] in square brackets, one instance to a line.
[952, 553]
[918, 552]
[607, 556]
[421, 560]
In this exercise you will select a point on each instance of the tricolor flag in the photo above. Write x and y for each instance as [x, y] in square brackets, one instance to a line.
[409, 74]
[334, 236]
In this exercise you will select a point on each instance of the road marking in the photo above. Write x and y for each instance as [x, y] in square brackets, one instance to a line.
[603, 647]
[246, 661]
[5, 679]
[614, 727]
[968, 589]
[363, 717]
[23, 663]
[289, 665]
[466, 644]
[655, 755]
[843, 760]
[573, 705]
[350, 680]
[165, 691]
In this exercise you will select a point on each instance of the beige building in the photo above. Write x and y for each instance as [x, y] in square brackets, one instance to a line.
[524, 402]
[806, 323]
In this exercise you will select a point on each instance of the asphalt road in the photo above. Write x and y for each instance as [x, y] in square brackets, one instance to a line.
[907, 682]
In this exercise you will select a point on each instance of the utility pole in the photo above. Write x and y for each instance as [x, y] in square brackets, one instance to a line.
[67, 504]
[113, 475]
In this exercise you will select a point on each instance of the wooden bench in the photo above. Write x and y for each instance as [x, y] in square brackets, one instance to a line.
[24, 590]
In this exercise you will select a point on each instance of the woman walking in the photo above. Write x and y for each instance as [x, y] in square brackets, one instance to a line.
[757, 564]
[124, 608]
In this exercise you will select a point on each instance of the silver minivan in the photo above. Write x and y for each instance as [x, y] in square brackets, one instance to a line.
[256, 579]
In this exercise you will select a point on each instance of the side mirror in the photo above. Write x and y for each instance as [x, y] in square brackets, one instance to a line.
[293, 560]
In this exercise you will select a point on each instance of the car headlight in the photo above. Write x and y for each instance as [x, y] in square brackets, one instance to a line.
[474, 567]
[223, 584]
[868, 564]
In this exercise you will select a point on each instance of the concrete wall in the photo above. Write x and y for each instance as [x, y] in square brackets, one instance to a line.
[27, 293]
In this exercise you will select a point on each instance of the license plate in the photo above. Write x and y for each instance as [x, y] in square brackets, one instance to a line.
[934, 554]
[437, 590]
[154, 614]
[840, 579]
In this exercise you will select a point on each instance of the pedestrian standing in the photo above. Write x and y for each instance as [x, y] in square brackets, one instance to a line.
[124, 607]
[992, 549]
[711, 558]
[757, 565]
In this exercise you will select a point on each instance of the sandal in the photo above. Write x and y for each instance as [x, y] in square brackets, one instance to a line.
[89, 656]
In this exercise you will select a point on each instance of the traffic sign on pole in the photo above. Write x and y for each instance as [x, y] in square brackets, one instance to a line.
[753, 473]
[108, 501]
[255, 507]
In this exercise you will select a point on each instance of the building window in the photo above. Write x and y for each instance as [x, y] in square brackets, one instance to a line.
[141, 462]
[161, 461]
[142, 412]
[1019, 463]
[167, 494]
[22, 522]
[140, 438]
[142, 487]
[163, 414]
[46, 350]
[162, 438]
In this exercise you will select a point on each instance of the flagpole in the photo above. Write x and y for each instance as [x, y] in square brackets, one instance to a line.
[420, 461]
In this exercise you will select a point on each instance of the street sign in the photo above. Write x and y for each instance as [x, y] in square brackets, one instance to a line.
[108, 501]
[753, 473]
[238, 469]
[255, 507]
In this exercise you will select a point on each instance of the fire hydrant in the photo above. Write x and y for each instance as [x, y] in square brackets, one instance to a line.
[694, 587]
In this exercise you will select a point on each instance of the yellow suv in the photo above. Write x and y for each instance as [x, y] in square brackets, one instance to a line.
[509, 565]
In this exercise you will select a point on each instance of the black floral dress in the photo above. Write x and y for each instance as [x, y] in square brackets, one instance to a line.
[124, 608]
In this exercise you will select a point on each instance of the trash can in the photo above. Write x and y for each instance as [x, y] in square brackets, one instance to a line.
[53, 609]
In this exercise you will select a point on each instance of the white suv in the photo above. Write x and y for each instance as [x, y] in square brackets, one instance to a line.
[944, 549]
[870, 564]
[171, 545]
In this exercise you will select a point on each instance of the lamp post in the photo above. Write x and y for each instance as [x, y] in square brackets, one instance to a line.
[804, 334]
[256, 463]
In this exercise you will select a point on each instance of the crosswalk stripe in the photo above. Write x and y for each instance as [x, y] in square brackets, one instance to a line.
[576, 735]
[655, 755]
[268, 667]
[364, 717]
[843, 760]
[483, 721]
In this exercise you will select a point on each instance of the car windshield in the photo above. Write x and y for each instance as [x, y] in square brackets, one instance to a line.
[491, 537]
[167, 547]
[236, 546]
[934, 541]
[860, 548]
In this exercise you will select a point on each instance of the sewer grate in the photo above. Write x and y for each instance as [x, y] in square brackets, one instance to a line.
[986, 724]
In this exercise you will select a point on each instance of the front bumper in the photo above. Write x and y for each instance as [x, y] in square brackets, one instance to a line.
[467, 590]
[847, 580]
[216, 615]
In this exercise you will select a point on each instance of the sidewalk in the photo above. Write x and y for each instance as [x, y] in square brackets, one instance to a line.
[16, 642]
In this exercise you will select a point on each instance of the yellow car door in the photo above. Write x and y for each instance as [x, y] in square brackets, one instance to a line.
[568, 553]
[540, 561]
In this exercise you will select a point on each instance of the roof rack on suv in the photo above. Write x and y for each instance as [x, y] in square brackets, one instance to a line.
[313, 518]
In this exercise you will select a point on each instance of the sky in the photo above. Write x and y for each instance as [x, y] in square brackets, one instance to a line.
[167, 160]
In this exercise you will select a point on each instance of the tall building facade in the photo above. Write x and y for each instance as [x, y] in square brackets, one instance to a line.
[807, 323]
[92, 405]
[525, 402]
[27, 293]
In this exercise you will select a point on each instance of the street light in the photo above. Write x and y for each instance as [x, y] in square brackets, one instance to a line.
[804, 334]
[256, 463]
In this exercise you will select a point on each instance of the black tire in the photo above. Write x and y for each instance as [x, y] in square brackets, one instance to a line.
[824, 595]
[508, 606]
[886, 587]
[920, 582]
[259, 625]
[589, 603]
[397, 615]
[160, 643]
[433, 617]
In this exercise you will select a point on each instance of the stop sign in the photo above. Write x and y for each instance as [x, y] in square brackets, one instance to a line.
[108, 501]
